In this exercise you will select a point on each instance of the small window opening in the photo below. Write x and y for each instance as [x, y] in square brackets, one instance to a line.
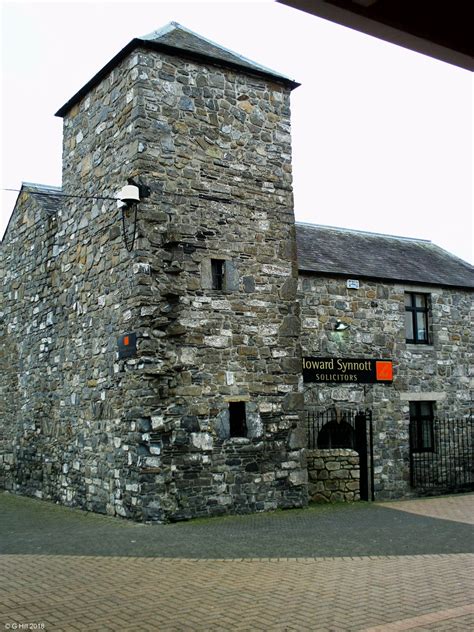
[421, 426]
[237, 419]
[217, 269]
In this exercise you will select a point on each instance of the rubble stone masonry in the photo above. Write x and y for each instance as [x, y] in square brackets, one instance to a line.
[438, 372]
[208, 416]
[148, 437]
[333, 475]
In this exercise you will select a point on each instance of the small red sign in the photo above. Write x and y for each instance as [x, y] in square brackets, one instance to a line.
[383, 371]
[127, 345]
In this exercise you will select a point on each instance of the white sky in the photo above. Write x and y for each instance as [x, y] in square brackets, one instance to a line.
[382, 136]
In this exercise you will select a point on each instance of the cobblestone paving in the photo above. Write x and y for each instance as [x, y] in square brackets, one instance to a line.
[147, 591]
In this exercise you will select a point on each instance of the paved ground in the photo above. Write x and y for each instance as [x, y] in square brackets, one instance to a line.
[373, 567]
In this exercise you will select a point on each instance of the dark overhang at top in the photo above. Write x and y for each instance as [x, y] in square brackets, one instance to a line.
[439, 28]
[174, 39]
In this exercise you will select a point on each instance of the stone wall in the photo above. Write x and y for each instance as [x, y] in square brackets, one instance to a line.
[27, 387]
[148, 437]
[333, 475]
[67, 418]
[438, 372]
[216, 154]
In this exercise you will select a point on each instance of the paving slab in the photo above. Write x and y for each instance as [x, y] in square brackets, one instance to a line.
[458, 508]
[362, 567]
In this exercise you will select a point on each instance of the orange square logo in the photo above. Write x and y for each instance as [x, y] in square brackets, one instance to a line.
[383, 371]
[126, 341]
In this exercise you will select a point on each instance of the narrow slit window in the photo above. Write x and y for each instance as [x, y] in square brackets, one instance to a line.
[237, 419]
[218, 271]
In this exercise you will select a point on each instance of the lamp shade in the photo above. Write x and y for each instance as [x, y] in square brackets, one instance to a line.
[129, 193]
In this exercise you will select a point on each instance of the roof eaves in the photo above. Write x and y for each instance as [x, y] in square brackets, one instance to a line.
[373, 277]
[172, 50]
[87, 87]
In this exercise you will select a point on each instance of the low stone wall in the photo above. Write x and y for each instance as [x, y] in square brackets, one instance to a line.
[333, 475]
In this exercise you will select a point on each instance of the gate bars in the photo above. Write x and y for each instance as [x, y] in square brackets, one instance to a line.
[346, 429]
[449, 465]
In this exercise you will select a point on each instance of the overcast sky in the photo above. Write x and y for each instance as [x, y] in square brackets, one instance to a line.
[382, 136]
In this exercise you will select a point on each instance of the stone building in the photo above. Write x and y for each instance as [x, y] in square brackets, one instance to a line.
[152, 355]
[202, 419]
[367, 297]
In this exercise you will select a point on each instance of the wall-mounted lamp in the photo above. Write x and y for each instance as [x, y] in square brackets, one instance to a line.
[128, 197]
[340, 326]
[132, 193]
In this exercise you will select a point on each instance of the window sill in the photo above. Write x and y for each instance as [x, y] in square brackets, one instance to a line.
[419, 347]
[238, 440]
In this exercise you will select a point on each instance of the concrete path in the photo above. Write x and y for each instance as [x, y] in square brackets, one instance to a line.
[372, 567]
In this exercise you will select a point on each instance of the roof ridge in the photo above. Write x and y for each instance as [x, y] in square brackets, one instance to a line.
[364, 232]
[163, 31]
[43, 187]
[171, 26]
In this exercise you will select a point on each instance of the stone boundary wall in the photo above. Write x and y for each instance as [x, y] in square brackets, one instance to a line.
[333, 475]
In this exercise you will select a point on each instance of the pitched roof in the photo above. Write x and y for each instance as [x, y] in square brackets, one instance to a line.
[338, 251]
[175, 39]
[183, 39]
[47, 197]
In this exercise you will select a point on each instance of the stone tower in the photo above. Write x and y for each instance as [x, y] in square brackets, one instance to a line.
[204, 418]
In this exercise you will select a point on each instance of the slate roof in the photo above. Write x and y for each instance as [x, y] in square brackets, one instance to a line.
[175, 39]
[338, 251]
[47, 197]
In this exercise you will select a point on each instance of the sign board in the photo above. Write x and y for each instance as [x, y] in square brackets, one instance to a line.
[347, 370]
[127, 346]
[352, 284]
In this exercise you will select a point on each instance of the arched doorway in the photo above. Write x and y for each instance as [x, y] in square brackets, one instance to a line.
[350, 429]
[336, 434]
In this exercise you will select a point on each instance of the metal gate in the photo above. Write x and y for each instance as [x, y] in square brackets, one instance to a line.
[353, 429]
[448, 464]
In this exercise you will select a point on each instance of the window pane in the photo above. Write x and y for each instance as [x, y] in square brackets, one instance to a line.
[426, 436]
[421, 426]
[426, 409]
[414, 435]
[422, 333]
[420, 300]
[409, 326]
[407, 299]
